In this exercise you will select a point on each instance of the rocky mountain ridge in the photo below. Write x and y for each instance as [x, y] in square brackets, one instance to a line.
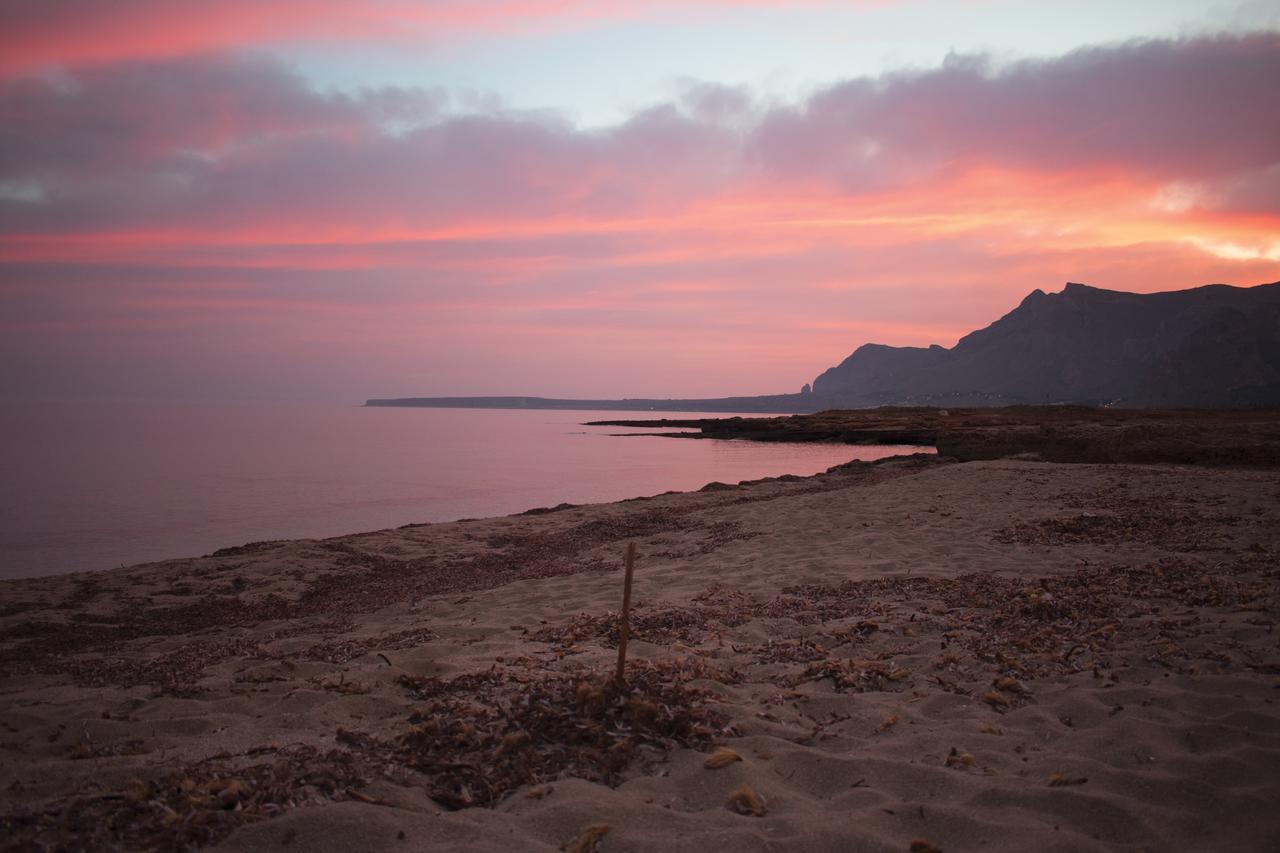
[1211, 346]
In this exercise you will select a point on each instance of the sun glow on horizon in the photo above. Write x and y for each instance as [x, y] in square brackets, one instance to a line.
[179, 191]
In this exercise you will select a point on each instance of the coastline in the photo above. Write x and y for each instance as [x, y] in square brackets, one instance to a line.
[143, 484]
[1010, 654]
[1236, 437]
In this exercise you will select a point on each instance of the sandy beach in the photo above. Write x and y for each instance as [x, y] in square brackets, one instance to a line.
[639, 427]
[916, 654]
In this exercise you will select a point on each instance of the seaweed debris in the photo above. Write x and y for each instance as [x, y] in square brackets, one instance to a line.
[1171, 530]
[339, 651]
[480, 736]
[193, 807]
[987, 625]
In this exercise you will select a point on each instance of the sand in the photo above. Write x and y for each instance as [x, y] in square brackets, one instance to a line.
[913, 655]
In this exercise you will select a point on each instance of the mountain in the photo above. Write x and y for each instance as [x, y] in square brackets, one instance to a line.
[1212, 346]
[768, 404]
[1208, 347]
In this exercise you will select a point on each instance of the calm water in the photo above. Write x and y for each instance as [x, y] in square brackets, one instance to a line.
[91, 487]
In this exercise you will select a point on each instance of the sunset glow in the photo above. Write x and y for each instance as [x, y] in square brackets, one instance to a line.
[187, 209]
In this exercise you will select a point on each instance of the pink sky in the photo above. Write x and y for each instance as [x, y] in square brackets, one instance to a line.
[184, 211]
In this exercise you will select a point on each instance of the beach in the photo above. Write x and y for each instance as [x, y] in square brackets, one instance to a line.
[910, 654]
[494, 426]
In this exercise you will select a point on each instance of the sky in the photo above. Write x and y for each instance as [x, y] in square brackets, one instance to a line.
[328, 201]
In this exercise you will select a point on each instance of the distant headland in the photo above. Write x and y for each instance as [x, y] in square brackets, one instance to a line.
[1215, 346]
[769, 404]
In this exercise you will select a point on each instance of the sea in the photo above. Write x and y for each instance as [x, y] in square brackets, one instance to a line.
[94, 486]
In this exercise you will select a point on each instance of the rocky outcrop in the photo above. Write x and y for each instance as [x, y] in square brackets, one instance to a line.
[1212, 346]
[1232, 437]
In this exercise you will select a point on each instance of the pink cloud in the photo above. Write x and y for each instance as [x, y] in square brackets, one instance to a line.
[231, 142]
[1161, 109]
[78, 32]
[215, 218]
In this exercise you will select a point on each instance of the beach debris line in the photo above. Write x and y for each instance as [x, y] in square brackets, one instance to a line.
[997, 632]
[1170, 528]
[194, 806]
[623, 618]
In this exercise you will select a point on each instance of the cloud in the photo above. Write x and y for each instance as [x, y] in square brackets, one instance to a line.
[166, 212]
[78, 32]
[233, 139]
[151, 115]
[1196, 108]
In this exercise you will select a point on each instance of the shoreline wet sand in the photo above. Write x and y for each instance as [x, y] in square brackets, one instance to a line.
[1003, 654]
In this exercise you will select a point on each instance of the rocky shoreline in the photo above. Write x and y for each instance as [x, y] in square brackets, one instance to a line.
[1248, 437]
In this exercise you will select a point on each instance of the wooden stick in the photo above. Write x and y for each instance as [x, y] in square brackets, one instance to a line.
[624, 621]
